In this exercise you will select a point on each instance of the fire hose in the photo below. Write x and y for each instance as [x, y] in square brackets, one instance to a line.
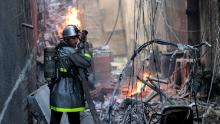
[88, 97]
[85, 82]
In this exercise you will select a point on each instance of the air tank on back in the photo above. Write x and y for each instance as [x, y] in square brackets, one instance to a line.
[50, 55]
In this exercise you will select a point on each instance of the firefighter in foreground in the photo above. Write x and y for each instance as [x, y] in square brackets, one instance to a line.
[66, 92]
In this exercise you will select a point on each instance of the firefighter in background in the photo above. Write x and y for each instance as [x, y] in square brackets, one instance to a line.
[66, 91]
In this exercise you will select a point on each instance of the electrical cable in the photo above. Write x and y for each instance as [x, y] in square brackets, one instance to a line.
[163, 14]
[136, 30]
[147, 33]
[135, 42]
[197, 112]
[214, 67]
[114, 26]
[138, 38]
[141, 13]
[153, 16]
[131, 60]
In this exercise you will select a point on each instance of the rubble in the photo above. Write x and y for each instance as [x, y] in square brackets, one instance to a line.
[142, 101]
[132, 109]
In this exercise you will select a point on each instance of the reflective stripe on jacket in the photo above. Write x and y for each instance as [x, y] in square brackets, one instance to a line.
[68, 109]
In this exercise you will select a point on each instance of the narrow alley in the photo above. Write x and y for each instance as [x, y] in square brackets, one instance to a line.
[110, 62]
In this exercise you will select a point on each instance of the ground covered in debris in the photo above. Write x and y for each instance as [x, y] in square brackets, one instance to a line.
[141, 109]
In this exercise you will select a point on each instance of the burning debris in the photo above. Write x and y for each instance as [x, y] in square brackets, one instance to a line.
[152, 99]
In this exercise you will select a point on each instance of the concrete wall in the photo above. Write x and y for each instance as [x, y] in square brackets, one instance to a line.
[91, 21]
[16, 45]
[110, 10]
[98, 17]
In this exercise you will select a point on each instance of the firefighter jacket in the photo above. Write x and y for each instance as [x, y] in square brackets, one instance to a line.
[66, 92]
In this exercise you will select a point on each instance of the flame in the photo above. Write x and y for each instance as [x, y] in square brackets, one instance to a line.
[137, 89]
[71, 18]
[139, 86]
[146, 75]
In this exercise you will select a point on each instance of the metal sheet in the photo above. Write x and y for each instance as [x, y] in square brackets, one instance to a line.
[39, 105]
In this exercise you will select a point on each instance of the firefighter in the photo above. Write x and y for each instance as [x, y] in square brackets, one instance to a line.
[66, 91]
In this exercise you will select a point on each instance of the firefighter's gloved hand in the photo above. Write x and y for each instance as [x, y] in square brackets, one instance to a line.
[84, 45]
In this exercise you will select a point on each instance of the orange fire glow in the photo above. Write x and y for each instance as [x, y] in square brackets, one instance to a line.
[146, 75]
[71, 18]
[138, 87]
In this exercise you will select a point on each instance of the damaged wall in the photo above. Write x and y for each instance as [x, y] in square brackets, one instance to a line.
[16, 46]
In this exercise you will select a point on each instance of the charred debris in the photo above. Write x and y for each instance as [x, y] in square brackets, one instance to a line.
[148, 96]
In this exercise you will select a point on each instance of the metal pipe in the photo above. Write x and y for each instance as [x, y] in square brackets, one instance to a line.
[27, 25]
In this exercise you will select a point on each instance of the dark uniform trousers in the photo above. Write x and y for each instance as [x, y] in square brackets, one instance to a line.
[74, 117]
